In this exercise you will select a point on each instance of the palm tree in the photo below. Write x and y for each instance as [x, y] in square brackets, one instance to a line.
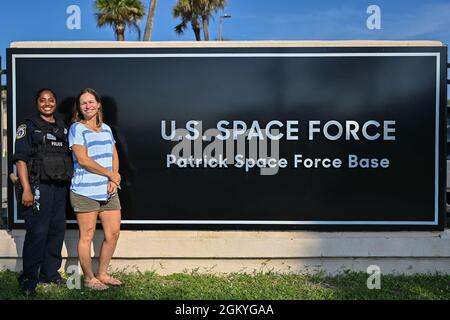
[208, 8]
[150, 19]
[188, 11]
[120, 14]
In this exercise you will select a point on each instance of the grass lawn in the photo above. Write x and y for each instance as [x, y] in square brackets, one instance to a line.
[245, 286]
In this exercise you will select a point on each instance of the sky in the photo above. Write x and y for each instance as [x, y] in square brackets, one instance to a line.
[31, 20]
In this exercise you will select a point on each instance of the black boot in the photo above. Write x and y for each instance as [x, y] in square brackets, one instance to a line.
[27, 286]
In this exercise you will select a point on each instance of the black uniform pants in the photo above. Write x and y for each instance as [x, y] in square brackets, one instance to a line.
[44, 236]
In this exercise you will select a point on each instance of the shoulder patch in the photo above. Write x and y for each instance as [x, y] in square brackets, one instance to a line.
[21, 131]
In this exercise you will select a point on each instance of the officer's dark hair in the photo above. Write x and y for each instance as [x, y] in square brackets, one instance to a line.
[38, 94]
[77, 116]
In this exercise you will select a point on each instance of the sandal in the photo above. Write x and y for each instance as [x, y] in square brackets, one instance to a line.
[108, 280]
[95, 284]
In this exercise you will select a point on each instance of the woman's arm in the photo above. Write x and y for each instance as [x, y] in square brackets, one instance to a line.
[22, 172]
[115, 163]
[91, 165]
[112, 187]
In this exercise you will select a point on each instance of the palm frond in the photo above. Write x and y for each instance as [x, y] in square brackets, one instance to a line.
[135, 26]
[180, 28]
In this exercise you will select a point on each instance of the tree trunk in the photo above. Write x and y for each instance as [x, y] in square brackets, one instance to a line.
[197, 34]
[196, 28]
[150, 20]
[205, 28]
[120, 32]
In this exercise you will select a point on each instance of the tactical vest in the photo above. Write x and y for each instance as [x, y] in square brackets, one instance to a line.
[50, 159]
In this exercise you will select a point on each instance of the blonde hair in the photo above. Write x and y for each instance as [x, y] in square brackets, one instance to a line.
[77, 116]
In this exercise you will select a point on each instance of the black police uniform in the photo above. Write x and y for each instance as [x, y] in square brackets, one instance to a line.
[44, 147]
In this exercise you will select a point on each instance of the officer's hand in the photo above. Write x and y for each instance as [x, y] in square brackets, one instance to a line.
[115, 177]
[27, 198]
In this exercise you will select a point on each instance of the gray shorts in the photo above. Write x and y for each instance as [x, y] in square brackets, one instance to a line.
[84, 204]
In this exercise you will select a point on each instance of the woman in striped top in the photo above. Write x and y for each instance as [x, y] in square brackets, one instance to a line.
[93, 191]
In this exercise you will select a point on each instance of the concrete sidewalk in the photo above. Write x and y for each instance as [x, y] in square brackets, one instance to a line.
[169, 252]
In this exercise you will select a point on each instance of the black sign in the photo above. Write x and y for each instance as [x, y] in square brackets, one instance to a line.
[271, 138]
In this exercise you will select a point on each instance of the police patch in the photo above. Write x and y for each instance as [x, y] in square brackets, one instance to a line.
[21, 131]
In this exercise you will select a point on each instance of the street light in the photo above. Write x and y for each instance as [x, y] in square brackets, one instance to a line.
[220, 24]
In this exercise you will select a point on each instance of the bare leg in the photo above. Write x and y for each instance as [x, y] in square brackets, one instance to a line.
[86, 223]
[111, 227]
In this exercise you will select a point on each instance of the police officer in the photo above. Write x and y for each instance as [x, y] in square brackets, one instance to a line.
[44, 168]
